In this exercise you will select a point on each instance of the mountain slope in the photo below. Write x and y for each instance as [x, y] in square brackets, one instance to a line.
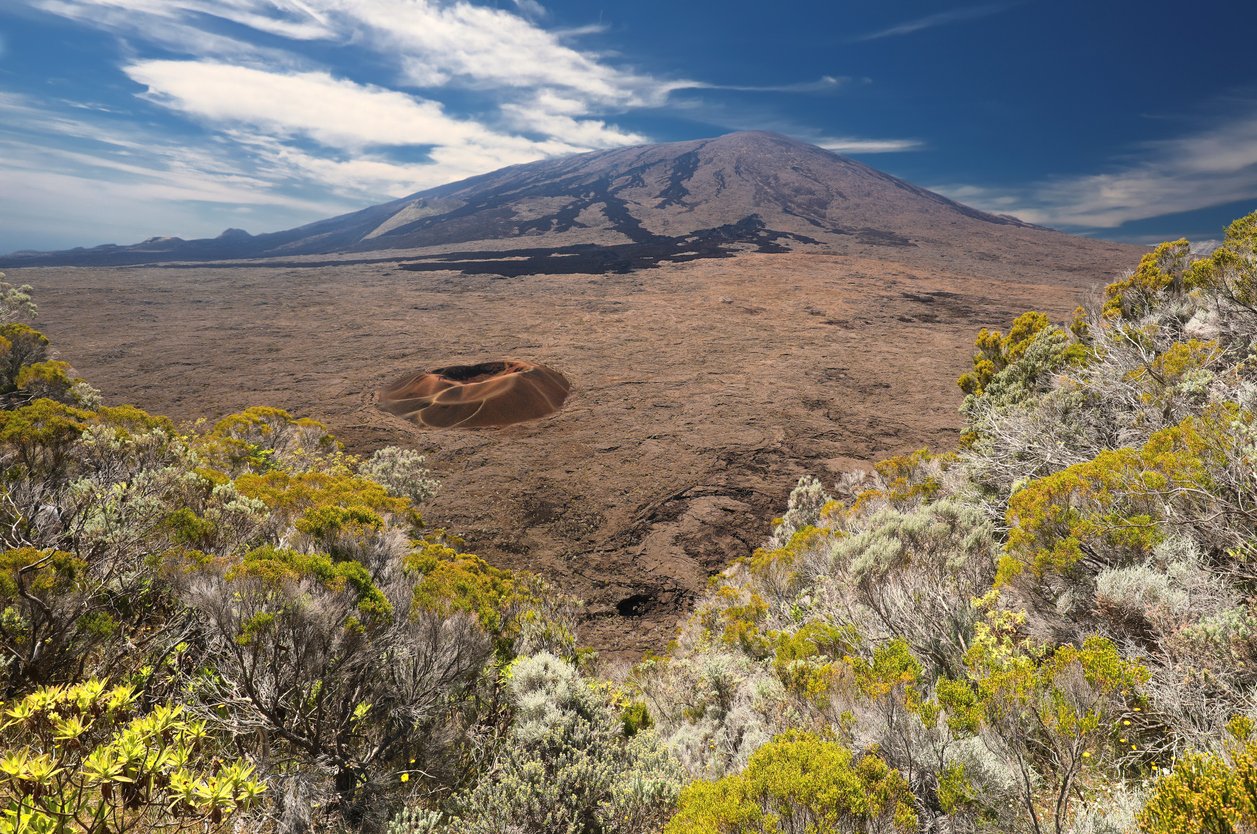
[622, 208]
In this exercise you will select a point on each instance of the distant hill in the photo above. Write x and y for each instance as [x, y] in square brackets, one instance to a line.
[617, 210]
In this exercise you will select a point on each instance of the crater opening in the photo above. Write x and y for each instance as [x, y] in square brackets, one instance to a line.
[472, 373]
[483, 395]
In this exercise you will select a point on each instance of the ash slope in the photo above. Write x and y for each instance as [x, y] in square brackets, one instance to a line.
[615, 211]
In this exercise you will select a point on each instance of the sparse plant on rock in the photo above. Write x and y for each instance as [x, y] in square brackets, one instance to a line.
[402, 472]
[16, 303]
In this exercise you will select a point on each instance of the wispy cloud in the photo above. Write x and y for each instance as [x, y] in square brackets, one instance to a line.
[858, 146]
[1212, 166]
[824, 84]
[299, 104]
[71, 171]
[531, 8]
[939, 19]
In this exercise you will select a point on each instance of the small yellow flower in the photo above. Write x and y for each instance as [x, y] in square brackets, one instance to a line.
[1122, 740]
[1126, 723]
[405, 777]
[1133, 747]
[1086, 754]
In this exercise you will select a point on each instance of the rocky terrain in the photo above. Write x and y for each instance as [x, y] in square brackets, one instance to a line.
[729, 314]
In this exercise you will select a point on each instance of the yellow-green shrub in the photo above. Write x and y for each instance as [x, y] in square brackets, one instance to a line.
[1206, 793]
[799, 784]
[997, 351]
[1159, 271]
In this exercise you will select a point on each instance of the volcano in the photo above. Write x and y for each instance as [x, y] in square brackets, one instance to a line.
[618, 211]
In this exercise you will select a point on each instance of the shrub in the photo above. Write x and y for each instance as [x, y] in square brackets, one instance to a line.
[15, 302]
[913, 575]
[803, 510]
[1056, 711]
[325, 664]
[798, 784]
[1160, 271]
[89, 496]
[996, 350]
[262, 439]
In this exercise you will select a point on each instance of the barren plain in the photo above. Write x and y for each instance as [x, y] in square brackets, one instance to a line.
[700, 391]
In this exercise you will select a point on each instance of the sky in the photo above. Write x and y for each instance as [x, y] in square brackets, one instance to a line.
[127, 119]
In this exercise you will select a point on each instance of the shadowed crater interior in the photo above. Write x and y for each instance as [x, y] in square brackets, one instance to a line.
[477, 396]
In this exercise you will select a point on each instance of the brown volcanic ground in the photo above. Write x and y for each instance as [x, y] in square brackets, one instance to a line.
[700, 391]
[806, 313]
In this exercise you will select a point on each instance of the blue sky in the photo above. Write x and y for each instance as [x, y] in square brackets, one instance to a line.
[125, 119]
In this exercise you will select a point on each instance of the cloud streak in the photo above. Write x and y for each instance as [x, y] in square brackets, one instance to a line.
[70, 171]
[933, 21]
[858, 146]
[824, 84]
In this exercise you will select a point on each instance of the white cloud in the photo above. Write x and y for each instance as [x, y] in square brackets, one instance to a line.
[73, 179]
[554, 114]
[335, 112]
[292, 19]
[434, 43]
[355, 118]
[176, 26]
[1211, 167]
[364, 177]
[46, 209]
[490, 47]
